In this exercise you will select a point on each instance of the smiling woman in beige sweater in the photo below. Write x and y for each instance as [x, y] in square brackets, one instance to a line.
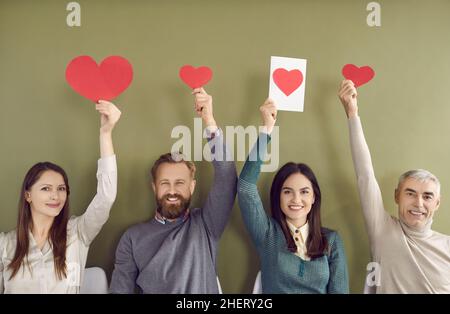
[412, 257]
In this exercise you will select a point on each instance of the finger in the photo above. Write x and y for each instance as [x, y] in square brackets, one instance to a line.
[105, 102]
[196, 91]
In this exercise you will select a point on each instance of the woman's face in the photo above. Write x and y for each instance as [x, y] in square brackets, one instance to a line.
[48, 195]
[296, 199]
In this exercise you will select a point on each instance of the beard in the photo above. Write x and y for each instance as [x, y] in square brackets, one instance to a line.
[172, 211]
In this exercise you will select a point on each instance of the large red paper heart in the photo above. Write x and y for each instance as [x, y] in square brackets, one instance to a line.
[195, 77]
[358, 75]
[99, 82]
[287, 81]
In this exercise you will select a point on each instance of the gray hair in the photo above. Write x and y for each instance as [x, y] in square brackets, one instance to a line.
[420, 175]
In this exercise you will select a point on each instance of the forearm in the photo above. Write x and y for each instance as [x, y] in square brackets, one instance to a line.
[219, 203]
[369, 191]
[252, 167]
[97, 213]
[106, 144]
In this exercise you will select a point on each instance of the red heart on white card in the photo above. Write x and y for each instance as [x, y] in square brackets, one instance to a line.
[287, 81]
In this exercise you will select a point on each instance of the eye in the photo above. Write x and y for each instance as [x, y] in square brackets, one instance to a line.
[62, 188]
[45, 188]
[305, 192]
[286, 192]
[428, 197]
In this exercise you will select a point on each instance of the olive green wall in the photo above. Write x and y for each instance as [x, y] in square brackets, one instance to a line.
[405, 110]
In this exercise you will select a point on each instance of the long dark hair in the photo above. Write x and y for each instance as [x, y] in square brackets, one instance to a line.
[58, 230]
[316, 242]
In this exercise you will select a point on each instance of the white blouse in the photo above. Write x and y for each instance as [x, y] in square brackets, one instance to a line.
[300, 235]
[81, 231]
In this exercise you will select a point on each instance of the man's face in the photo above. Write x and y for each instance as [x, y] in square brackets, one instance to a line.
[417, 201]
[173, 187]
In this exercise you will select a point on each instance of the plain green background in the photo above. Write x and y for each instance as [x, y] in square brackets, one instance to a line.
[405, 109]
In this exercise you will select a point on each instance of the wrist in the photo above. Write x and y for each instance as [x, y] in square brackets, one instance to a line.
[352, 114]
[267, 129]
[105, 132]
[210, 122]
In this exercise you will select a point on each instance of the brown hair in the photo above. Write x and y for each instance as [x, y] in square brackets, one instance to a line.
[316, 242]
[58, 230]
[172, 158]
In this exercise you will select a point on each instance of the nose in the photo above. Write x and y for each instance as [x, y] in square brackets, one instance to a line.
[297, 198]
[419, 202]
[54, 195]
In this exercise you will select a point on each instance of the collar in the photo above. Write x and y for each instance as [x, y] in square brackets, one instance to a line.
[163, 220]
[303, 230]
[415, 232]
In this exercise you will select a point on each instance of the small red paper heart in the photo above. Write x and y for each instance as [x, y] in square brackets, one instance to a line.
[358, 75]
[195, 77]
[287, 81]
[103, 82]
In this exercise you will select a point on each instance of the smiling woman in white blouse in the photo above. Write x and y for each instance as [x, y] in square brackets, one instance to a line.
[47, 251]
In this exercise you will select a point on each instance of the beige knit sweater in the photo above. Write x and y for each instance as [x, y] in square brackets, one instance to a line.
[411, 261]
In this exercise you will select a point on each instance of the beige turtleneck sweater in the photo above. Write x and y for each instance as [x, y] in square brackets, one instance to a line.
[411, 261]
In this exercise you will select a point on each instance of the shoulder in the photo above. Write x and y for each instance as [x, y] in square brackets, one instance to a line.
[7, 238]
[137, 230]
[332, 236]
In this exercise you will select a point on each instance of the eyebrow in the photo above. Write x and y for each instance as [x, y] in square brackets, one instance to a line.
[48, 184]
[426, 193]
[288, 188]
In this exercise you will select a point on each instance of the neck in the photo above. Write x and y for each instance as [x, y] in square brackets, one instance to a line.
[41, 225]
[297, 223]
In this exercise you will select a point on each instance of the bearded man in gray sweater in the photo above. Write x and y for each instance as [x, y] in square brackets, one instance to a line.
[175, 252]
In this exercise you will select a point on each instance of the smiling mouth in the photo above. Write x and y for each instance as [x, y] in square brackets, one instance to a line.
[416, 213]
[172, 199]
[296, 207]
[53, 205]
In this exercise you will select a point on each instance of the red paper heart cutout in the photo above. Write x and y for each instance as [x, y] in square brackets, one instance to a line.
[99, 82]
[195, 77]
[358, 76]
[287, 81]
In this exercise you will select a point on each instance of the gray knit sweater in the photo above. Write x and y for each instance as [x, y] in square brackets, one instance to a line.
[179, 256]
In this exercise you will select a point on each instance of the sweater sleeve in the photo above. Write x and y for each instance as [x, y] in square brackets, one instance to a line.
[255, 218]
[2, 247]
[338, 282]
[90, 223]
[219, 202]
[125, 272]
[369, 192]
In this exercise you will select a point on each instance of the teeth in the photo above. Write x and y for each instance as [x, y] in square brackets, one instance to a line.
[416, 213]
[295, 207]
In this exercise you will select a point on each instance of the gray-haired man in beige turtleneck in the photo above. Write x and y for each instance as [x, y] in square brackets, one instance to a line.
[412, 257]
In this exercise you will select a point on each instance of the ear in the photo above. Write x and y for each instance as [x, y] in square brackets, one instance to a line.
[27, 197]
[438, 203]
[192, 187]
[154, 187]
[396, 195]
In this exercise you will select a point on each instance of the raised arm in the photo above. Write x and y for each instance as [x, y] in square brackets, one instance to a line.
[89, 224]
[2, 247]
[255, 218]
[219, 202]
[369, 191]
